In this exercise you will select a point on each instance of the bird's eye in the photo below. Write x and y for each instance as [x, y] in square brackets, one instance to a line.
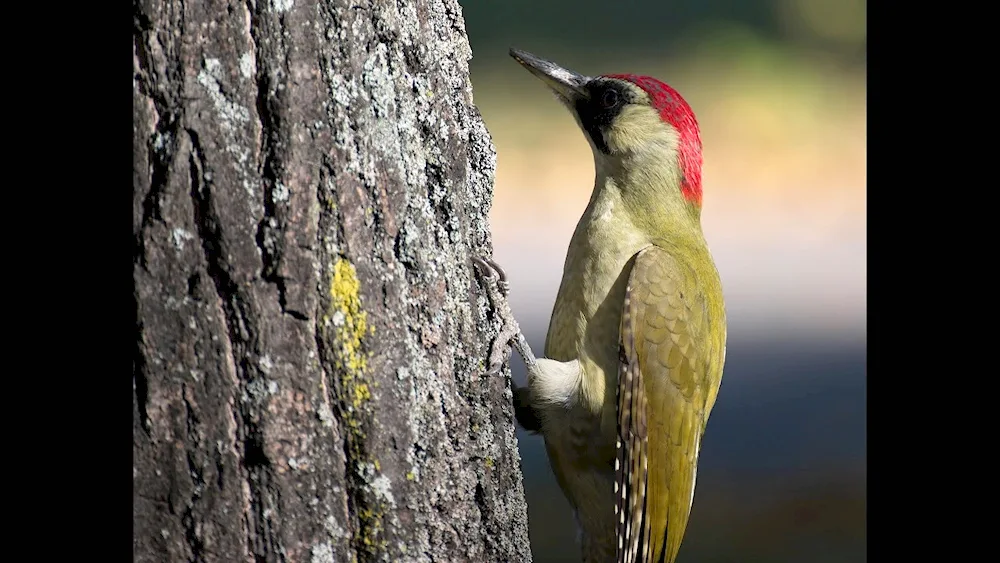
[609, 99]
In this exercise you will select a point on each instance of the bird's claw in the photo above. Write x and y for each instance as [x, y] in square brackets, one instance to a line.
[492, 272]
[497, 288]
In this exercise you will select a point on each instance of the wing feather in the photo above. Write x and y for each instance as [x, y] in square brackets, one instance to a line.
[631, 462]
[670, 369]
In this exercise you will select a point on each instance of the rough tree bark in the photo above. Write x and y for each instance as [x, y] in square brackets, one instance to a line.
[310, 179]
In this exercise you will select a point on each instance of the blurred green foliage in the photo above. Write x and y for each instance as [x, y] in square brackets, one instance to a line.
[584, 30]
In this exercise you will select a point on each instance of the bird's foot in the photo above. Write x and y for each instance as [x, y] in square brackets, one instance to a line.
[494, 281]
[492, 273]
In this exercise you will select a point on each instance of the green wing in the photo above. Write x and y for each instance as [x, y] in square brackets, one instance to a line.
[672, 350]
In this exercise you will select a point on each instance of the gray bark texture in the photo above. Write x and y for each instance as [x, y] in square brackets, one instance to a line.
[310, 179]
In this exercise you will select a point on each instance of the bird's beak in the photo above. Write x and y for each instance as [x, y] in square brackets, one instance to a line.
[566, 83]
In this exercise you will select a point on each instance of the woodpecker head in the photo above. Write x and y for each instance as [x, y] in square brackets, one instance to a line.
[631, 121]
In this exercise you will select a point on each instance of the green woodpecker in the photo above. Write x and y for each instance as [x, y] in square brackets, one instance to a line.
[637, 339]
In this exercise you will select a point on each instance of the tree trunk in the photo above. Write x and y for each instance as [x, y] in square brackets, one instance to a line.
[310, 180]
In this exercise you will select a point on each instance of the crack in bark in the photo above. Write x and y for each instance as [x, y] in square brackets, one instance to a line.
[159, 159]
[244, 343]
[162, 144]
[220, 467]
[188, 521]
[139, 374]
[270, 118]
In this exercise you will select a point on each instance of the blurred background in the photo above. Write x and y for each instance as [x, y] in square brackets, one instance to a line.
[779, 90]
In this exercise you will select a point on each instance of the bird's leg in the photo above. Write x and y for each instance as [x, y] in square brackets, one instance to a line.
[494, 280]
[497, 287]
